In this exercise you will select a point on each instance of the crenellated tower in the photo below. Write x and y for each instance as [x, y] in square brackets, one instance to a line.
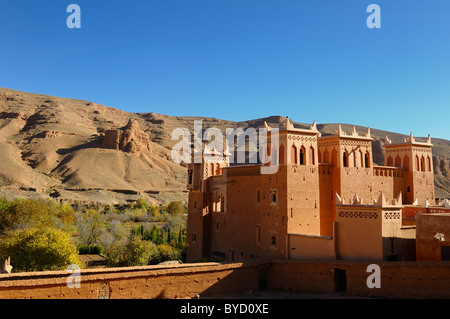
[417, 160]
[346, 168]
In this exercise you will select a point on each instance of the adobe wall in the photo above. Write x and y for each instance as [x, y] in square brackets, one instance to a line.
[355, 180]
[303, 247]
[176, 281]
[195, 226]
[327, 211]
[244, 230]
[303, 202]
[359, 233]
[398, 280]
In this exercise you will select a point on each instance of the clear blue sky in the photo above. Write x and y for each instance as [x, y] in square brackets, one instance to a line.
[239, 59]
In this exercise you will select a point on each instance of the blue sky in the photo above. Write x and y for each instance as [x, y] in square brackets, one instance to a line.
[239, 60]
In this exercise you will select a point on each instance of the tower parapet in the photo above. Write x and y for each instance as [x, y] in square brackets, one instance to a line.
[417, 159]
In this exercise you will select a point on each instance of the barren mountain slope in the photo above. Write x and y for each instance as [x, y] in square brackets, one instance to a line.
[57, 146]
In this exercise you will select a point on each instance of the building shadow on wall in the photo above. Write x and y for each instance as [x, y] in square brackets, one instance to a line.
[239, 281]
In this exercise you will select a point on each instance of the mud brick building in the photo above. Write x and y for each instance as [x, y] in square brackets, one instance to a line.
[326, 201]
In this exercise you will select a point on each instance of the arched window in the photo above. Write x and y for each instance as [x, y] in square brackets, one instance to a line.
[406, 162]
[390, 161]
[366, 160]
[294, 155]
[281, 154]
[326, 157]
[417, 163]
[334, 157]
[429, 163]
[352, 159]
[274, 157]
[302, 155]
[211, 167]
[361, 158]
[190, 177]
[319, 154]
[422, 164]
[398, 161]
[312, 160]
[345, 159]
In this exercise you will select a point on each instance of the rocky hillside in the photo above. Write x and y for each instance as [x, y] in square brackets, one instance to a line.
[79, 150]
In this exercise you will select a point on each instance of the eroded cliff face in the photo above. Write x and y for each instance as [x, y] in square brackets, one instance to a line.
[130, 139]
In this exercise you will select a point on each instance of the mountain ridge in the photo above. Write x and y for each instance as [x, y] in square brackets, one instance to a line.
[46, 143]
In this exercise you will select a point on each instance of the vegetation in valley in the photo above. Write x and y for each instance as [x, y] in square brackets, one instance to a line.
[41, 234]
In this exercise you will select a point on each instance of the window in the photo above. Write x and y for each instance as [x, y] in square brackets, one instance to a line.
[361, 158]
[398, 161]
[194, 237]
[334, 157]
[345, 159]
[390, 161]
[281, 154]
[406, 162]
[190, 177]
[273, 197]
[258, 196]
[273, 239]
[302, 156]
[422, 164]
[293, 154]
[366, 160]
[326, 157]
[218, 169]
[312, 159]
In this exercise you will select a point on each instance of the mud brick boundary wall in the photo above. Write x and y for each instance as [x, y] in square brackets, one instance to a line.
[398, 280]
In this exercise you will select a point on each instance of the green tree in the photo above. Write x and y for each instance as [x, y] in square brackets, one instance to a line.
[38, 248]
[26, 213]
[176, 208]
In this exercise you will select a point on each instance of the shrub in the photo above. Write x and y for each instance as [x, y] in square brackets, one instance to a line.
[141, 203]
[165, 253]
[37, 249]
[114, 252]
[138, 252]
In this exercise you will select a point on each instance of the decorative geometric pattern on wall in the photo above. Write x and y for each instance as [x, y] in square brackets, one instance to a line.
[370, 215]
